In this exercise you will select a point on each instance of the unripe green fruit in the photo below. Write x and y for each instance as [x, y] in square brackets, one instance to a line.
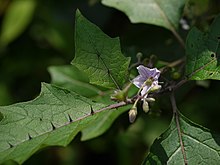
[176, 75]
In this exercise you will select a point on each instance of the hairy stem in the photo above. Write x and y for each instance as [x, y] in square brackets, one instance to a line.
[176, 117]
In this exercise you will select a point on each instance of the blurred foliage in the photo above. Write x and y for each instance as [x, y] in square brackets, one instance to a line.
[17, 16]
[40, 34]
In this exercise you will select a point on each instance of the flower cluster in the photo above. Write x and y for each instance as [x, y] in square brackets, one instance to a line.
[147, 82]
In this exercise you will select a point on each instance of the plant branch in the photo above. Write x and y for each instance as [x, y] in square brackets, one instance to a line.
[173, 64]
[171, 26]
[139, 55]
[172, 87]
[116, 105]
[176, 117]
[179, 84]
[136, 98]
[178, 37]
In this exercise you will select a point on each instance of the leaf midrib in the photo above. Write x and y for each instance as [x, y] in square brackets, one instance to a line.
[163, 14]
[58, 127]
[200, 68]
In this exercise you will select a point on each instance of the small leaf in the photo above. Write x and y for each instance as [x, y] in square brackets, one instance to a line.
[165, 13]
[98, 55]
[203, 53]
[200, 145]
[73, 79]
[52, 119]
[17, 18]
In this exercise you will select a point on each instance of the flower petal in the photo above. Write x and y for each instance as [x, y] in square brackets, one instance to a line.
[147, 72]
[145, 90]
[144, 71]
[156, 73]
[138, 81]
[144, 74]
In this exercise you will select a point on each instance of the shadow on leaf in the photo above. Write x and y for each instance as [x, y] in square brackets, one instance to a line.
[216, 138]
[157, 154]
[1, 116]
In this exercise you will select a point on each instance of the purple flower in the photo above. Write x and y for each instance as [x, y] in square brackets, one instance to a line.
[147, 79]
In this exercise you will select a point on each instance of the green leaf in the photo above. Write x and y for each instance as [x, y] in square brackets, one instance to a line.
[102, 123]
[165, 13]
[202, 51]
[201, 146]
[98, 55]
[73, 79]
[52, 119]
[17, 18]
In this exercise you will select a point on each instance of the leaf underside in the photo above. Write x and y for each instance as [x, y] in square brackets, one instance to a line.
[165, 13]
[203, 53]
[201, 146]
[98, 55]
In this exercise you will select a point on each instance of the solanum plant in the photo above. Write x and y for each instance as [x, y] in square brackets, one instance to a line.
[65, 108]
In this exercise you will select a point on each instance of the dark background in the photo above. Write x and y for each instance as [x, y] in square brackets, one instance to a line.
[48, 39]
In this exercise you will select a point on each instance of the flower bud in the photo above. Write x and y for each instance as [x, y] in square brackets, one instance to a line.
[150, 99]
[119, 95]
[155, 88]
[139, 55]
[145, 106]
[132, 114]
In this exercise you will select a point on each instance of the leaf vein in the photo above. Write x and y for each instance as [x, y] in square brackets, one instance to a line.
[200, 142]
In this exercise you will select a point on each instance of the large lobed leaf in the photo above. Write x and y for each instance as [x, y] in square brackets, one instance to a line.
[72, 79]
[165, 13]
[200, 144]
[53, 118]
[98, 55]
[57, 115]
[202, 51]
